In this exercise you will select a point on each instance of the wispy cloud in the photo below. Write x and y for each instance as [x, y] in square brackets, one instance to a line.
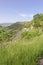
[23, 15]
[16, 17]
[26, 15]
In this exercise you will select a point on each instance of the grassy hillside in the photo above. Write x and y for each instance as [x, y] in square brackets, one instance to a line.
[16, 26]
[8, 33]
[37, 22]
[24, 52]
[28, 49]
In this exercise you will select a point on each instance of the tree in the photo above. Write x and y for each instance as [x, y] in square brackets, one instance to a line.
[36, 20]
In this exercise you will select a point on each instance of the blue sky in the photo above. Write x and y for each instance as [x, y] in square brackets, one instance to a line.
[19, 10]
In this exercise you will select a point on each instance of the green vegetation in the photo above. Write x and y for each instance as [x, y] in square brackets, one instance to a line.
[24, 52]
[30, 34]
[16, 26]
[38, 20]
[7, 35]
[28, 49]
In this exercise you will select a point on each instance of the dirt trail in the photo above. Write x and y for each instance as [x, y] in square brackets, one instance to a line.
[41, 62]
[18, 35]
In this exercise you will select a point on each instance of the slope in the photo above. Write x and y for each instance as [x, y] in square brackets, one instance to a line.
[24, 52]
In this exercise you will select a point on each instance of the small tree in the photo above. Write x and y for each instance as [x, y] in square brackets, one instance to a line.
[36, 20]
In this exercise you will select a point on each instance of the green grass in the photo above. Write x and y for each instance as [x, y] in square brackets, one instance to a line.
[28, 49]
[24, 52]
[30, 34]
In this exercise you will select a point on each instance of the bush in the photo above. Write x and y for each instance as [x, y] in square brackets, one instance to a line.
[29, 34]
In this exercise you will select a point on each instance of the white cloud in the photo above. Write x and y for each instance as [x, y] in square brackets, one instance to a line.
[23, 15]
[26, 15]
[30, 15]
[17, 17]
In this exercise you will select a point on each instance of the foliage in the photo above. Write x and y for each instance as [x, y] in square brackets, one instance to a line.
[16, 26]
[28, 49]
[24, 52]
[30, 34]
[6, 35]
[36, 20]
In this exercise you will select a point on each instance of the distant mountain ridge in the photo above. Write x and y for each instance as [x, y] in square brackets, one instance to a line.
[16, 26]
[5, 24]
